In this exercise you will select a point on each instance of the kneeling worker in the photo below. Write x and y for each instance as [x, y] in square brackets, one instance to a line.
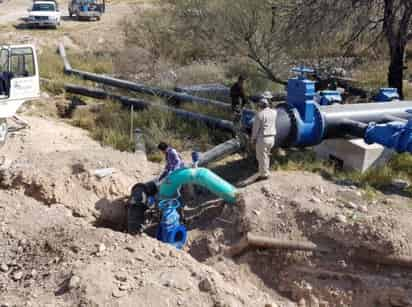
[263, 135]
[173, 160]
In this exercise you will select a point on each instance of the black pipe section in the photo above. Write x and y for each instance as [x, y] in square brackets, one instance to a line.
[136, 87]
[211, 122]
[353, 128]
[286, 128]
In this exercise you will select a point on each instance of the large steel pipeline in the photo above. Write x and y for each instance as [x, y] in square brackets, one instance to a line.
[136, 87]
[336, 115]
[212, 122]
[340, 120]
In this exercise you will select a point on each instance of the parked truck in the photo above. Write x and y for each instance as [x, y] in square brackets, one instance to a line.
[44, 14]
[19, 82]
[87, 9]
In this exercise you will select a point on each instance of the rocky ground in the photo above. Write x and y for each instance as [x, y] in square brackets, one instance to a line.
[63, 241]
[56, 249]
[62, 238]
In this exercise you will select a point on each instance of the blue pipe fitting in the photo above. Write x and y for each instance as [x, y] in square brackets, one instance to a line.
[329, 97]
[394, 135]
[309, 122]
[195, 158]
[387, 94]
[247, 119]
[310, 132]
[170, 230]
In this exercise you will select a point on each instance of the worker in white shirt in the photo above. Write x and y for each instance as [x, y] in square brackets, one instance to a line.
[263, 135]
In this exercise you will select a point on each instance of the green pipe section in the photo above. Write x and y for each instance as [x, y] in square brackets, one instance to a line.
[199, 176]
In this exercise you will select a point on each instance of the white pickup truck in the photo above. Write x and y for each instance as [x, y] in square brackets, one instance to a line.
[19, 82]
[44, 14]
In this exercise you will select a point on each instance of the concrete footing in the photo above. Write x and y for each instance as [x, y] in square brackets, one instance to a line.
[353, 154]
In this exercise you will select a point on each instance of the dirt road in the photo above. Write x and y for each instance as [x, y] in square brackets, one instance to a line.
[104, 35]
[12, 10]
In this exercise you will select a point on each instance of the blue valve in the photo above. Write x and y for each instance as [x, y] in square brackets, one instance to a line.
[302, 71]
[396, 135]
[151, 200]
[170, 230]
[195, 158]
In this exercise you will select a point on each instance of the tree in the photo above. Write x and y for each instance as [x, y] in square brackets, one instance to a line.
[355, 24]
[250, 29]
[232, 28]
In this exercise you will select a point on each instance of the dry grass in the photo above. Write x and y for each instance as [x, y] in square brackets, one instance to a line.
[51, 68]
[111, 127]
[372, 181]
[200, 73]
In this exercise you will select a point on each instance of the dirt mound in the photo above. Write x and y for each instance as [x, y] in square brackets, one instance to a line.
[337, 218]
[56, 164]
[55, 251]
[54, 259]
[58, 246]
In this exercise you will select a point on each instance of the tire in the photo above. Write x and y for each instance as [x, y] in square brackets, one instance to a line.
[3, 131]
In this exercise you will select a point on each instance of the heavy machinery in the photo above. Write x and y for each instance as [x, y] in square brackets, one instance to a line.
[87, 9]
[19, 81]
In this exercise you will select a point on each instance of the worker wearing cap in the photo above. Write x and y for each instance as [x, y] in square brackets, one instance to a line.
[263, 135]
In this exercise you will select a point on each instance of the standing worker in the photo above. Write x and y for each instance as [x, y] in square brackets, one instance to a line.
[263, 135]
[237, 94]
[173, 160]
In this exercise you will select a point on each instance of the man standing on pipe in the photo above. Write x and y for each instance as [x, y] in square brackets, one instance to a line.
[263, 135]
[237, 94]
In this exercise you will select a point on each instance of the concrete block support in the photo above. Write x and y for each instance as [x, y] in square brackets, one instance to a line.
[353, 154]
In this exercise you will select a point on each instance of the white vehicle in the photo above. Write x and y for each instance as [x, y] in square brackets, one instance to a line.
[44, 14]
[19, 81]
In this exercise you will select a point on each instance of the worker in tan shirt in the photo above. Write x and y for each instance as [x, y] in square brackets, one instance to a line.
[263, 135]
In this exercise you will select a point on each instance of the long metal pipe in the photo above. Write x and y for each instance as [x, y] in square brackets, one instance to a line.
[220, 151]
[212, 122]
[341, 120]
[136, 87]
[335, 115]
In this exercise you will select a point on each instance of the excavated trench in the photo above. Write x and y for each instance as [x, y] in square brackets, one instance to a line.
[306, 278]
[336, 278]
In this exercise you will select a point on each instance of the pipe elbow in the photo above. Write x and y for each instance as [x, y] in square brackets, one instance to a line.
[199, 176]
